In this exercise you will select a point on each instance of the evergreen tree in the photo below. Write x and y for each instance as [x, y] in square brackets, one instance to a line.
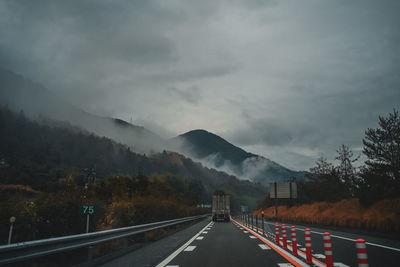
[382, 148]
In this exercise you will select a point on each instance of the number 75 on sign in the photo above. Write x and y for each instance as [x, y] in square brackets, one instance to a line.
[88, 209]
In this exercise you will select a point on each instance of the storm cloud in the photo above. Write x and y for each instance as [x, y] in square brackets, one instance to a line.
[289, 80]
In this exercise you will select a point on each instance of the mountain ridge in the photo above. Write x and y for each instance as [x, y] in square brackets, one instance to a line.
[213, 151]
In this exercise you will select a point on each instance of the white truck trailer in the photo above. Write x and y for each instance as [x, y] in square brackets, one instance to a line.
[221, 207]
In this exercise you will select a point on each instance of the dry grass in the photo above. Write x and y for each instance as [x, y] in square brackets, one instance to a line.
[384, 216]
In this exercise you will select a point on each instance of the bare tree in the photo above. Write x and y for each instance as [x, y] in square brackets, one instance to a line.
[345, 170]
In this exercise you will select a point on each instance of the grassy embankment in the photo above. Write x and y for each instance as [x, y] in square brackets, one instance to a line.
[384, 216]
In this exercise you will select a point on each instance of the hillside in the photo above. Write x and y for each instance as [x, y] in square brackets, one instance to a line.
[40, 104]
[39, 155]
[214, 151]
[18, 93]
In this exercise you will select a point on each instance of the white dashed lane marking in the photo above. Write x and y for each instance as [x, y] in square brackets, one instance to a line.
[285, 265]
[264, 247]
[190, 248]
[339, 264]
[319, 256]
[200, 238]
[205, 232]
[245, 232]
[252, 236]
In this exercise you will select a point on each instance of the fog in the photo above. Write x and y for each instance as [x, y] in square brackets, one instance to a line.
[287, 80]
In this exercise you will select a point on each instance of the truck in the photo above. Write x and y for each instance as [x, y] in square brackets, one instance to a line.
[220, 207]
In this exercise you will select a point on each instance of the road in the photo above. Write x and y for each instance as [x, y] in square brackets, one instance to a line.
[224, 244]
[232, 244]
[381, 252]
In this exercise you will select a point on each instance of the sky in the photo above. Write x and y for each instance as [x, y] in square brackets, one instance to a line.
[289, 80]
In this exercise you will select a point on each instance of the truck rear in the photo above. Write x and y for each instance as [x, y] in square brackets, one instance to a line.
[221, 207]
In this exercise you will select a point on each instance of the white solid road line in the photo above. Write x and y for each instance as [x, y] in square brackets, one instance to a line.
[179, 250]
[349, 239]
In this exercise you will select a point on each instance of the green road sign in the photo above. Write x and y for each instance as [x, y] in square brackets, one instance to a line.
[88, 209]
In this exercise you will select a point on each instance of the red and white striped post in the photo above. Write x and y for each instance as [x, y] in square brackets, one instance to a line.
[277, 233]
[362, 257]
[308, 246]
[284, 236]
[294, 241]
[328, 250]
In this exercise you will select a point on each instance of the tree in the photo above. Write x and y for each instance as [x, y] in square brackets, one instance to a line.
[382, 148]
[345, 170]
[323, 184]
[323, 168]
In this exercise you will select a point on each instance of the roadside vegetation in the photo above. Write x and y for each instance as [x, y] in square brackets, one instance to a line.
[122, 201]
[342, 194]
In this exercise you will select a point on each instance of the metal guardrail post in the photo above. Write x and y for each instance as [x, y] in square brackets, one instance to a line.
[125, 243]
[262, 221]
[90, 253]
[257, 223]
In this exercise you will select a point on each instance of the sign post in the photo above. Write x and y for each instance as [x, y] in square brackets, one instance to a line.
[88, 210]
[12, 220]
[282, 190]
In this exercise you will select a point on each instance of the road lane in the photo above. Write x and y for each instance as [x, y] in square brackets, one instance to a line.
[226, 244]
[381, 252]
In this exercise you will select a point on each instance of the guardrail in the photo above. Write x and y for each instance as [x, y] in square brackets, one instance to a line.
[33, 249]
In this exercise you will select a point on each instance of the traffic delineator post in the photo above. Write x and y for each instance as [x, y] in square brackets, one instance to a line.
[308, 246]
[277, 233]
[328, 250]
[294, 241]
[362, 257]
[284, 236]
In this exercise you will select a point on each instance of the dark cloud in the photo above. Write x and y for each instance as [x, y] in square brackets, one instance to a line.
[287, 79]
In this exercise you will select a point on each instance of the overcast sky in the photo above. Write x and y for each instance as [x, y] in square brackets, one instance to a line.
[289, 80]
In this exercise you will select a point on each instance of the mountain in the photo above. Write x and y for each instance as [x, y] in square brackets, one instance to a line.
[18, 93]
[39, 155]
[40, 104]
[214, 151]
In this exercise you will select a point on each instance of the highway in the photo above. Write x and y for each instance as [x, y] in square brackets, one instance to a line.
[224, 244]
[233, 244]
[381, 252]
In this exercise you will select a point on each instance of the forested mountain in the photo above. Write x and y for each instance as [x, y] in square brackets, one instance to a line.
[38, 103]
[39, 155]
[215, 151]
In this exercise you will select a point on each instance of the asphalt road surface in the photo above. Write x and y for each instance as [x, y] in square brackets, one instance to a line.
[224, 244]
[381, 252]
[233, 244]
